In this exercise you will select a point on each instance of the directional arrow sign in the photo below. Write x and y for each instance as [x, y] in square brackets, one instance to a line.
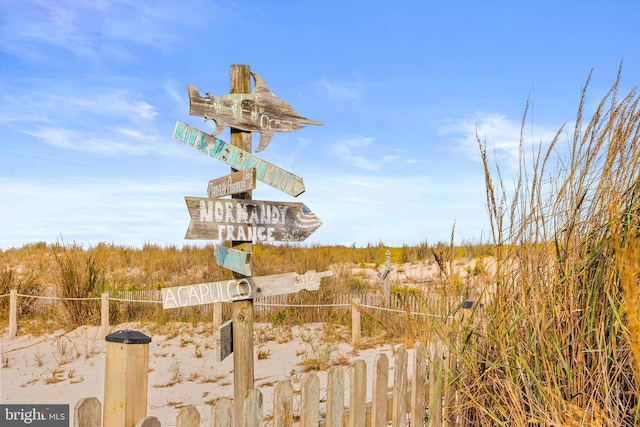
[234, 183]
[239, 159]
[249, 220]
[234, 260]
[239, 289]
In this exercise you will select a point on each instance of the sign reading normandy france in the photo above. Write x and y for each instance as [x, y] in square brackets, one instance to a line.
[239, 289]
[249, 220]
[239, 159]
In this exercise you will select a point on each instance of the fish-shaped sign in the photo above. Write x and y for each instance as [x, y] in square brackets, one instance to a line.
[258, 111]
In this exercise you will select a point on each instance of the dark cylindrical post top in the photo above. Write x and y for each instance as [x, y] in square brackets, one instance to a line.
[128, 337]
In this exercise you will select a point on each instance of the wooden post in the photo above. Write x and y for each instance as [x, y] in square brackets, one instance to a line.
[310, 401]
[335, 396]
[379, 391]
[13, 313]
[358, 394]
[188, 417]
[87, 413]
[418, 385]
[242, 311]
[217, 315]
[126, 378]
[399, 411]
[435, 382]
[356, 329]
[222, 412]
[104, 313]
[283, 404]
[387, 279]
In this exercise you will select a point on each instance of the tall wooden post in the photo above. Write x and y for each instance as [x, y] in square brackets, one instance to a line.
[126, 378]
[104, 313]
[13, 313]
[387, 279]
[242, 311]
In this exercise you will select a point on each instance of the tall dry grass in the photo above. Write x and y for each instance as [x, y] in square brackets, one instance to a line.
[560, 342]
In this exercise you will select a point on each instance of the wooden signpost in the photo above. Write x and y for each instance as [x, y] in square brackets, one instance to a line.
[234, 183]
[260, 111]
[239, 159]
[249, 220]
[240, 219]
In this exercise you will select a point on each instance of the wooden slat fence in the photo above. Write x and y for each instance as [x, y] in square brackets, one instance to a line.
[421, 397]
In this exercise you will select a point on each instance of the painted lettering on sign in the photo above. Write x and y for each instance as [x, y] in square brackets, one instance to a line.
[234, 183]
[249, 220]
[206, 293]
[239, 289]
[239, 159]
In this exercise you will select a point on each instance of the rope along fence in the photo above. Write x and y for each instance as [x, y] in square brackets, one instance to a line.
[266, 308]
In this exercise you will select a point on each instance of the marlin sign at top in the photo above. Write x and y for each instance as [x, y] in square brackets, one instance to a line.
[259, 111]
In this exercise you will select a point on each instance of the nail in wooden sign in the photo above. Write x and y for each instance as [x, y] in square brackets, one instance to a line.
[239, 159]
[240, 289]
[234, 183]
[249, 220]
[258, 111]
[233, 259]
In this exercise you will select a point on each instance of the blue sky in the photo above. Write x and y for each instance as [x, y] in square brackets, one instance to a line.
[90, 92]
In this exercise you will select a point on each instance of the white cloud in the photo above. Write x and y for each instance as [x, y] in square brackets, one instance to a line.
[342, 89]
[349, 151]
[361, 152]
[92, 211]
[92, 30]
[501, 134]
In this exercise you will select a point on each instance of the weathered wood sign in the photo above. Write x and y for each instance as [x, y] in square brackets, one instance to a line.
[259, 111]
[233, 259]
[239, 159]
[249, 220]
[234, 183]
[225, 340]
[240, 289]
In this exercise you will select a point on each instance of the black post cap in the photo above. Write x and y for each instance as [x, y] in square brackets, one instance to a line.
[128, 337]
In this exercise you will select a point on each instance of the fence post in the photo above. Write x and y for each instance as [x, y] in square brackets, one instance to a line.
[335, 396]
[399, 412]
[188, 417]
[435, 382]
[418, 385]
[356, 330]
[387, 279]
[13, 313]
[87, 413]
[310, 401]
[104, 313]
[126, 378]
[358, 394]
[222, 412]
[379, 391]
[148, 422]
[252, 409]
[283, 404]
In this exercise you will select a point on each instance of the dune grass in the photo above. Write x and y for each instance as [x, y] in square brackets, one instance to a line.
[560, 342]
